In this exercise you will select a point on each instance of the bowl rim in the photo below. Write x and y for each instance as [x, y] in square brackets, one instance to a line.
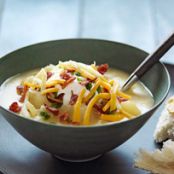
[4, 57]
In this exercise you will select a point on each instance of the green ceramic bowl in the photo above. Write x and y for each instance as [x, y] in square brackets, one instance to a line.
[75, 143]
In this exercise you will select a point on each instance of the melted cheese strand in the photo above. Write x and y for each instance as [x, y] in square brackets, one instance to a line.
[86, 120]
[76, 113]
[112, 117]
[49, 90]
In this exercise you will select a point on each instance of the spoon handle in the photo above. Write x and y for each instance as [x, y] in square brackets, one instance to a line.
[148, 62]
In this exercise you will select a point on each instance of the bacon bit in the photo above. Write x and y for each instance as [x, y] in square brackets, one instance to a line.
[121, 99]
[49, 74]
[67, 82]
[85, 82]
[64, 117]
[60, 96]
[15, 107]
[102, 68]
[58, 99]
[99, 108]
[23, 95]
[52, 99]
[54, 111]
[73, 98]
[65, 75]
[92, 80]
[19, 89]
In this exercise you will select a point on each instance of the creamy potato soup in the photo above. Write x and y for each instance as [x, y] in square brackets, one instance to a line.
[74, 93]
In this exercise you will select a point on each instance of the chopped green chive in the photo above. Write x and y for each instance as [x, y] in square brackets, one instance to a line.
[56, 105]
[79, 79]
[89, 86]
[55, 94]
[77, 74]
[99, 90]
[44, 115]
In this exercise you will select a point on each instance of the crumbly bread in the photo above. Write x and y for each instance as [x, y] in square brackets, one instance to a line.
[159, 161]
[165, 126]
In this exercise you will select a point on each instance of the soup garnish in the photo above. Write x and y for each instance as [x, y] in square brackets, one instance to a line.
[74, 93]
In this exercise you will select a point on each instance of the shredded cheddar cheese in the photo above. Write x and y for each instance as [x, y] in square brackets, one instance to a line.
[106, 85]
[86, 74]
[111, 82]
[94, 88]
[112, 117]
[86, 120]
[112, 102]
[86, 70]
[124, 95]
[49, 90]
[92, 91]
[106, 107]
[76, 113]
[113, 96]
[54, 82]
[79, 69]
[31, 85]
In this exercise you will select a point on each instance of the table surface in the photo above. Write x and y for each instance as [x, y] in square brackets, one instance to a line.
[143, 24]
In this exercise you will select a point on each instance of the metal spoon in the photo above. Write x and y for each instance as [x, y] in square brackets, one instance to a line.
[148, 62]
